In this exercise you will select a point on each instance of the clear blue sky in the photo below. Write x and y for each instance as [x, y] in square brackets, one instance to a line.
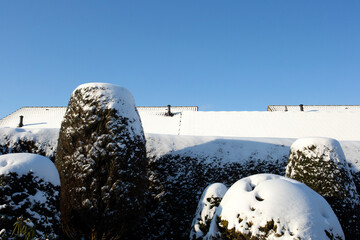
[219, 55]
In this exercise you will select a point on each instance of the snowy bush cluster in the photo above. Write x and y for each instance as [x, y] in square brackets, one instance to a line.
[267, 206]
[115, 184]
[29, 187]
[176, 183]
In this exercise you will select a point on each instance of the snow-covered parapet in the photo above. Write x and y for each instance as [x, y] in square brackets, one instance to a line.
[29, 187]
[320, 164]
[267, 206]
[101, 159]
[206, 209]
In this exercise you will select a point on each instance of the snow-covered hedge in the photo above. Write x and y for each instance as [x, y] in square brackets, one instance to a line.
[267, 206]
[29, 187]
[320, 164]
[101, 159]
[21, 140]
[177, 182]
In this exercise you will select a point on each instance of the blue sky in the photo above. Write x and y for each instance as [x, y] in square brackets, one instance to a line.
[218, 55]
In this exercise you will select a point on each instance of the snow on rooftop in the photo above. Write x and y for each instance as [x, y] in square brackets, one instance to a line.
[338, 125]
[204, 133]
[341, 125]
[35, 117]
[312, 108]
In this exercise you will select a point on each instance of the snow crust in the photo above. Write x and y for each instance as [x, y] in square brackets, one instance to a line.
[296, 209]
[22, 163]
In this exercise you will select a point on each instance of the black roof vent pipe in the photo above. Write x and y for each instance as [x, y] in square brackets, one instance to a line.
[169, 113]
[21, 123]
[301, 107]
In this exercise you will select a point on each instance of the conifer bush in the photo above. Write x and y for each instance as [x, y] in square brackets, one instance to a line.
[101, 159]
[320, 164]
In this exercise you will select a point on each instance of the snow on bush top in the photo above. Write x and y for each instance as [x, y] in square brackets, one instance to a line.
[22, 163]
[323, 145]
[110, 96]
[207, 206]
[276, 207]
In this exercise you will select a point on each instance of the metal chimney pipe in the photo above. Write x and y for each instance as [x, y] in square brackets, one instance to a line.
[169, 113]
[301, 107]
[21, 123]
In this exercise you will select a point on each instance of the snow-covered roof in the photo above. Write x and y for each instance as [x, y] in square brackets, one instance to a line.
[341, 125]
[306, 108]
[35, 117]
[51, 117]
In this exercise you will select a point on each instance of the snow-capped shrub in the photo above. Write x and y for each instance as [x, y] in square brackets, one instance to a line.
[320, 164]
[29, 187]
[207, 206]
[267, 206]
[101, 159]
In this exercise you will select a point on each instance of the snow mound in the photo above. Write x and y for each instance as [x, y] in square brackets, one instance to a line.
[269, 206]
[207, 206]
[22, 163]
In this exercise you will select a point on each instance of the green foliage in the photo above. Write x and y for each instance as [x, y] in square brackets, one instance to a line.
[232, 234]
[17, 197]
[23, 229]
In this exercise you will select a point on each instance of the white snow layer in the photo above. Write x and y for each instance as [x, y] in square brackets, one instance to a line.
[112, 96]
[205, 209]
[297, 210]
[322, 144]
[22, 163]
[341, 125]
[338, 125]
